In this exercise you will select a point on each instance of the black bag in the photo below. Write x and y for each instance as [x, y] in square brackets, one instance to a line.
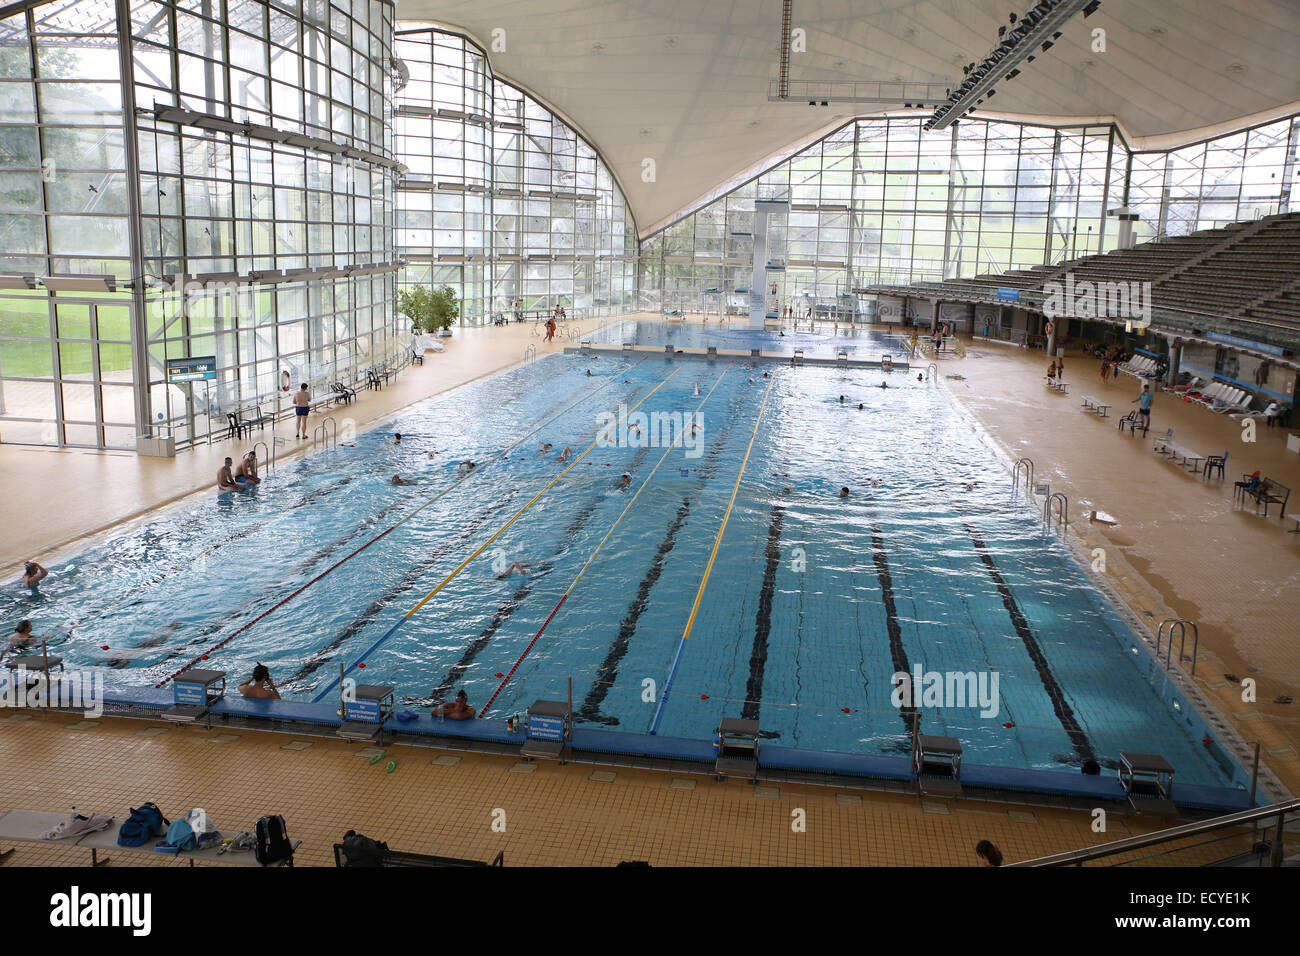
[271, 841]
[360, 850]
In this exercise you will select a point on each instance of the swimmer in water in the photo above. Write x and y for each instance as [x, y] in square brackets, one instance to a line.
[399, 480]
[844, 492]
[432, 453]
[565, 455]
[968, 485]
[841, 399]
[397, 438]
[623, 481]
[458, 709]
[589, 373]
[767, 375]
[465, 466]
[33, 574]
[860, 406]
[521, 568]
[544, 448]
[919, 377]
[884, 385]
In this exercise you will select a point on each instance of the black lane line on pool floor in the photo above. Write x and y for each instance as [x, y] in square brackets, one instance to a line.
[763, 619]
[268, 595]
[607, 673]
[407, 581]
[1059, 704]
[506, 610]
[135, 589]
[897, 653]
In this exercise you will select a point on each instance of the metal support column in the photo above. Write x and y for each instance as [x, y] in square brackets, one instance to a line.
[131, 142]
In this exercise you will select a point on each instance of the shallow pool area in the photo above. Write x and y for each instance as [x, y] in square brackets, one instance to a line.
[814, 598]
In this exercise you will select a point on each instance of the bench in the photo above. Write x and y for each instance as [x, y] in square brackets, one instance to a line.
[1269, 492]
[26, 826]
[400, 858]
[1091, 404]
[1058, 385]
[1175, 451]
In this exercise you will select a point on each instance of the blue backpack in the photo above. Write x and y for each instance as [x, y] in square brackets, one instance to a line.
[141, 826]
[181, 835]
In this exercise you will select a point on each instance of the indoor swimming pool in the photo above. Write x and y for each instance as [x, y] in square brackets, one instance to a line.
[813, 599]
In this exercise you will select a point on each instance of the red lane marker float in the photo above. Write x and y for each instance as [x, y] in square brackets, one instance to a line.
[103, 647]
[704, 697]
[847, 711]
[555, 610]
[1009, 723]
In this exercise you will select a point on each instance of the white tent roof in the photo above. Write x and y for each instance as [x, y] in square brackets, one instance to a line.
[686, 82]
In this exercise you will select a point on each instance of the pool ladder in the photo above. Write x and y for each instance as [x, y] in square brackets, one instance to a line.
[1025, 465]
[1062, 511]
[932, 374]
[1182, 624]
[323, 434]
[270, 452]
[530, 353]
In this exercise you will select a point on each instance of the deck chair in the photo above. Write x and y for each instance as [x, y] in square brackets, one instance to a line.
[1213, 462]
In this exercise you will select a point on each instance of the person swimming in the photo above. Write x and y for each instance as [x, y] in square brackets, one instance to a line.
[465, 467]
[844, 492]
[860, 406]
[884, 385]
[397, 438]
[565, 455]
[399, 480]
[623, 481]
[544, 448]
[521, 568]
[841, 399]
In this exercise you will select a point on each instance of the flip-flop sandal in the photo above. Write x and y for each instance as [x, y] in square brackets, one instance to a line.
[392, 765]
[376, 758]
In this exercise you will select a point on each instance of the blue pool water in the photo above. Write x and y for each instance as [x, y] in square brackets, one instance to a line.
[813, 601]
[859, 342]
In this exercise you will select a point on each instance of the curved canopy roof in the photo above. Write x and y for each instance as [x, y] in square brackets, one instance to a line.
[686, 83]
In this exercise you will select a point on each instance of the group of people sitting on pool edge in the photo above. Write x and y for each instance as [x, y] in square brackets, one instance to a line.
[244, 476]
[261, 687]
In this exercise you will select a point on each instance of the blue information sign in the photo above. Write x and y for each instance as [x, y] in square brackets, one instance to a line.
[363, 710]
[196, 369]
[187, 693]
[545, 728]
[1011, 295]
[1244, 343]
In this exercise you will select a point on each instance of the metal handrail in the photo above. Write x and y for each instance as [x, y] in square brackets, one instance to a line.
[323, 431]
[270, 455]
[1062, 510]
[1022, 464]
[1079, 857]
[1182, 624]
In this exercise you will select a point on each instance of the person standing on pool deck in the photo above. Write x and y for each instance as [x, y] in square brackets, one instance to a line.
[302, 405]
[1144, 409]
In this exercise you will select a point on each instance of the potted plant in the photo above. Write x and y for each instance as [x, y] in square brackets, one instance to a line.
[417, 305]
[444, 309]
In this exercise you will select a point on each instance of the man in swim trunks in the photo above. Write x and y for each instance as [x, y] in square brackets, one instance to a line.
[246, 473]
[458, 709]
[225, 480]
[301, 406]
[33, 574]
[260, 686]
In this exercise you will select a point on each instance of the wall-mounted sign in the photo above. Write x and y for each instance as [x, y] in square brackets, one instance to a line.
[197, 369]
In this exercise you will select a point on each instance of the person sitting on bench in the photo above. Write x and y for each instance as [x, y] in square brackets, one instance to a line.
[458, 709]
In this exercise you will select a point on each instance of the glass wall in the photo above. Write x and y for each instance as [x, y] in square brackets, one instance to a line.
[504, 201]
[231, 188]
[882, 201]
